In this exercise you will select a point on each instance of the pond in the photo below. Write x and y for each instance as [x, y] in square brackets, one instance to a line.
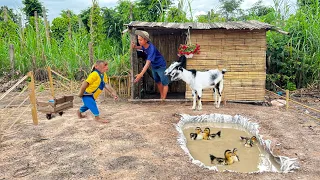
[258, 158]
[252, 159]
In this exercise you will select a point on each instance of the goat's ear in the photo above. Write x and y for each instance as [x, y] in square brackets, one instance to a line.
[182, 60]
[180, 68]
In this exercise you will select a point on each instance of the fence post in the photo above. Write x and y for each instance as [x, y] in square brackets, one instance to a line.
[11, 52]
[51, 81]
[91, 53]
[32, 96]
[287, 99]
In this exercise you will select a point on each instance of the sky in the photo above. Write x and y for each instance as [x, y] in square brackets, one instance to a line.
[54, 7]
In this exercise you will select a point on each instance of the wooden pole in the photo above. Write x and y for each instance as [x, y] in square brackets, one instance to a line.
[46, 24]
[134, 66]
[37, 27]
[5, 14]
[34, 64]
[287, 99]
[32, 96]
[119, 90]
[21, 31]
[51, 82]
[91, 53]
[11, 52]
[69, 25]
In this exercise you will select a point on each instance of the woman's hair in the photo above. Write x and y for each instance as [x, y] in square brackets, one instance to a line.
[97, 63]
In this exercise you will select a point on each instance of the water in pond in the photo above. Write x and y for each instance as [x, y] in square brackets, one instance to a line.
[251, 158]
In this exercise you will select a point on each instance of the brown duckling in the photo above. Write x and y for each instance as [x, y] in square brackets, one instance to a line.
[249, 141]
[197, 135]
[235, 156]
[227, 160]
[253, 138]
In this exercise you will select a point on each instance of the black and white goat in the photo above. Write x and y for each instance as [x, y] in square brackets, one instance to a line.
[197, 80]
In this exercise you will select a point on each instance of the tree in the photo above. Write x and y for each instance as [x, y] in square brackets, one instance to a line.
[210, 17]
[152, 10]
[176, 15]
[11, 15]
[60, 25]
[230, 8]
[31, 6]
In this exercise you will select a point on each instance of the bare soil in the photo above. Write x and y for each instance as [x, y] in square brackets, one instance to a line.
[140, 142]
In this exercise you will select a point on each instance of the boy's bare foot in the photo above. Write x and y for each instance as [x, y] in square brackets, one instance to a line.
[98, 119]
[80, 115]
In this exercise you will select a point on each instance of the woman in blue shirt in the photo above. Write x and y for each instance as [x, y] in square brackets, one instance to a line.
[155, 59]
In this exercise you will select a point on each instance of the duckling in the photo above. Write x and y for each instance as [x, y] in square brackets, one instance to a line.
[227, 160]
[253, 138]
[235, 156]
[216, 134]
[197, 135]
[249, 141]
[206, 133]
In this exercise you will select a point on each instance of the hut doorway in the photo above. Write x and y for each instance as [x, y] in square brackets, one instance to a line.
[167, 42]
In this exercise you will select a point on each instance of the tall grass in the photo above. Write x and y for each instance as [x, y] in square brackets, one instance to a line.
[68, 57]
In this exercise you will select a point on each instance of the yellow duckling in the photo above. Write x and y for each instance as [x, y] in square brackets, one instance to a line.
[206, 133]
[235, 156]
[227, 160]
[197, 135]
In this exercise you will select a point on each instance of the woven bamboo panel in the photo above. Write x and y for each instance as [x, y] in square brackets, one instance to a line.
[241, 52]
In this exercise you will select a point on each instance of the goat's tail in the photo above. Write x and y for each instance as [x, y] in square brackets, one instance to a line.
[224, 71]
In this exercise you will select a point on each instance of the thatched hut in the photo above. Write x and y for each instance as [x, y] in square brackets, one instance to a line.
[239, 47]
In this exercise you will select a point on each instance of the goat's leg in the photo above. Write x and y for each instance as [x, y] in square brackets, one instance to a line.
[199, 93]
[194, 95]
[215, 95]
[220, 89]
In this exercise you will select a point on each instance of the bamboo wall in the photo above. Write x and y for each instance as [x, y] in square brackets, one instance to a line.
[241, 52]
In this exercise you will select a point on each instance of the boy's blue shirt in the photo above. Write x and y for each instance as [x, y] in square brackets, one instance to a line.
[157, 60]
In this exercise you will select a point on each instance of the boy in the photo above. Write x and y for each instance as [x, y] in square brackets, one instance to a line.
[91, 89]
[155, 59]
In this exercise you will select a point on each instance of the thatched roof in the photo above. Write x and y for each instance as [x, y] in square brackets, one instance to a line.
[232, 25]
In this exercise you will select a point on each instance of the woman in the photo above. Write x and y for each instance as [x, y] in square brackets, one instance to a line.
[155, 59]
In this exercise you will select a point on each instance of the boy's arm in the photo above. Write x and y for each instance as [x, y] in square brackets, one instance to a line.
[83, 87]
[134, 46]
[110, 90]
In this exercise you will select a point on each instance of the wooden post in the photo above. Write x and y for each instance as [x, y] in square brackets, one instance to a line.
[11, 52]
[91, 53]
[287, 99]
[5, 14]
[46, 24]
[128, 85]
[134, 66]
[69, 26]
[34, 64]
[21, 31]
[119, 90]
[51, 82]
[32, 96]
[37, 27]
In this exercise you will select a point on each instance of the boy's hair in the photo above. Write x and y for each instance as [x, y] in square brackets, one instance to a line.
[97, 63]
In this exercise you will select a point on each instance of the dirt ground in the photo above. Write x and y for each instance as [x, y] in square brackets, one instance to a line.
[140, 142]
